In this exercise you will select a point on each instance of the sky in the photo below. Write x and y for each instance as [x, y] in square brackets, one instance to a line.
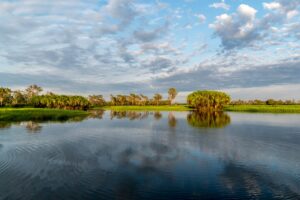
[250, 49]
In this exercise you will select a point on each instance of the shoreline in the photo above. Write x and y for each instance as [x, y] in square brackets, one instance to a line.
[44, 114]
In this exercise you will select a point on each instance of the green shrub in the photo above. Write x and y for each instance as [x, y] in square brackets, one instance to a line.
[208, 100]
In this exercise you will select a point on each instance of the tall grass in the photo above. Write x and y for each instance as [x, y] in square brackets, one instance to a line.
[264, 108]
[39, 114]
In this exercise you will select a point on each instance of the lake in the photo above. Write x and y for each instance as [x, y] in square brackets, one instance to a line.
[153, 155]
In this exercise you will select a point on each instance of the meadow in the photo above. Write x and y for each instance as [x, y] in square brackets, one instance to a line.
[39, 114]
[264, 108]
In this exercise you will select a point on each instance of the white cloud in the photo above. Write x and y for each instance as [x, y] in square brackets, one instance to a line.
[272, 5]
[222, 5]
[291, 14]
[247, 12]
[238, 29]
[201, 17]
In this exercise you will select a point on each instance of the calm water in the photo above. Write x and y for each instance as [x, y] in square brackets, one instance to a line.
[135, 155]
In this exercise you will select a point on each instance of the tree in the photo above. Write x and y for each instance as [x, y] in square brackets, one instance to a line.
[157, 97]
[144, 100]
[271, 102]
[33, 90]
[113, 100]
[172, 94]
[5, 96]
[208, 100]
[96, 100]
[18, 98]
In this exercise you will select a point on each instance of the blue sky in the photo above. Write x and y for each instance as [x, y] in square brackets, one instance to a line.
[250, 49]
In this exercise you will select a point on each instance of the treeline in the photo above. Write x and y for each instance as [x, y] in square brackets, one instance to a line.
[32, 97]
[60, 102]
[267, 102]
[137, 100]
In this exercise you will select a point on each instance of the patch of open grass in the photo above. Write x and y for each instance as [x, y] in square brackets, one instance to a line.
[264, 108]
[149, 108]
[39, 114]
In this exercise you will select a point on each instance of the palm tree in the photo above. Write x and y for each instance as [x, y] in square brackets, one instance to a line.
[157, 98]
[113, 100]
[5, 96]
[33, 90]
[18, 98]
[96, 100]
[145, 99]
[172, 94]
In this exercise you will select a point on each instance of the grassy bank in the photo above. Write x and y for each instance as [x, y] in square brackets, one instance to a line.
[149, 108]
[39, 114]
[264, 108]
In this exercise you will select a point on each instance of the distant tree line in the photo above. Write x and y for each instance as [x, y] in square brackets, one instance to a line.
[267, 102]
[200, 100]
[32, 97]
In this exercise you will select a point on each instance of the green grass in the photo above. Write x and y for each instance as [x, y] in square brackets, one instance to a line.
[149, 108]
[39, 114]
[264, 108]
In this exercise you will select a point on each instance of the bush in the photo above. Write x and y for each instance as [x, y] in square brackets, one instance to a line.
[208, 100]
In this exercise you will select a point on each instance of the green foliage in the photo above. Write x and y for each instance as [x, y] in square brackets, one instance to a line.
[208, 100]
[136, 100]
[271, 102]
[264, 108]
[18, 99]
[208, 119]
[267, 102]
[96, 100]
[33, 90]
[5, 96]
[38, 114]
[60, 102]
[157, 98]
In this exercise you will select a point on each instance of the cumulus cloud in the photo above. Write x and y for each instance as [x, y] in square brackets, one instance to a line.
[272, 5]
[243, 29]
[286, 8]
[86, 46]
[79, 37]
[238, 29]
[221, 4]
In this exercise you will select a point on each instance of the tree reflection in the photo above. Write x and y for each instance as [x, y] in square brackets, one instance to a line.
[157, 115]
[131, 115]
[208, 119]
[96, 114]
[172, 120]
[33, 127]
[5, 125]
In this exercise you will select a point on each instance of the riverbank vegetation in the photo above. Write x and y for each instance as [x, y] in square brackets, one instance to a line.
[267, 102]
[264, 108]
[39, 114]
[203, 101]
[31, 97]
[208, 101]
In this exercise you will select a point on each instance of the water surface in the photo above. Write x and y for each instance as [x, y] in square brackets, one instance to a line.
[153, 155]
